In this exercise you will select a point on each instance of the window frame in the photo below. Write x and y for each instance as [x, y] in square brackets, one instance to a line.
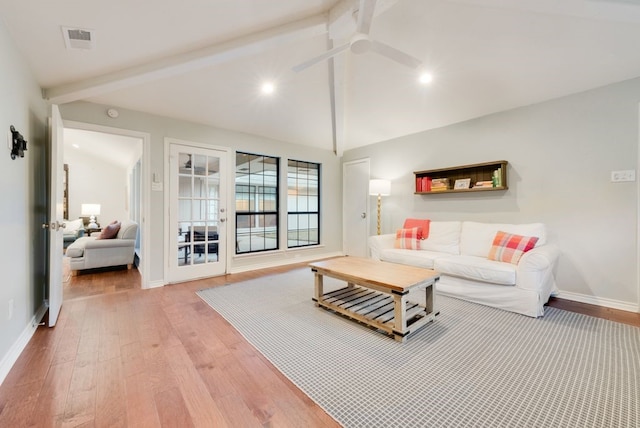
[256, 198]
[318, 167]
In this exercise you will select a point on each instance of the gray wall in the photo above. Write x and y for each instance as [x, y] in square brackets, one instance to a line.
[161, 127]
[23, 190]
[560, 154]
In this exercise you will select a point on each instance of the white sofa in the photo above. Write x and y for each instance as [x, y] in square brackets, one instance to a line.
[459, 252]
[89, 252]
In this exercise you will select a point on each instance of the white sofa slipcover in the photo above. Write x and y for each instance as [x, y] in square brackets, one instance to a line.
[89, 252]
[459, 251]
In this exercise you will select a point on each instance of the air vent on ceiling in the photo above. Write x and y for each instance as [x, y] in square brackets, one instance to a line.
[78, 38]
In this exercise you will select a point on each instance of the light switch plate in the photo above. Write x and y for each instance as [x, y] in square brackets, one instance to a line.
[625, 175]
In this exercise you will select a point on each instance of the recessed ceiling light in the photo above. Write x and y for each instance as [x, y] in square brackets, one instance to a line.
[425, 78]
[268, 88]
[75, 146]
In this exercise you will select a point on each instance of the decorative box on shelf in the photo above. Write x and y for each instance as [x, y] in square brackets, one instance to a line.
[479, 177]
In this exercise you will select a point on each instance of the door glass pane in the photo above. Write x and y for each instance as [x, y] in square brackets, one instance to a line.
[184, 187]
[198, 209]
[184, 210]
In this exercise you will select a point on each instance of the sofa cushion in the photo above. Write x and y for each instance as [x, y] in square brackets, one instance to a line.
[509, 248]
[476, 239]
[444, 237]
[423, 224]
[408, 239]
[477, 268]
[128, 230]
[423, 259]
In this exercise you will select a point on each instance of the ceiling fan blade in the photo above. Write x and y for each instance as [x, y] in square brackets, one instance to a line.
[328, 54]
[395, 54]
[365, 15]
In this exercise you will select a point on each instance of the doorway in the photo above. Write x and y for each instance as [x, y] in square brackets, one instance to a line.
[105, 167]
[197, 211]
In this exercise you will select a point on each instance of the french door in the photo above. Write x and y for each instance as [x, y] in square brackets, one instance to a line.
[197, 212]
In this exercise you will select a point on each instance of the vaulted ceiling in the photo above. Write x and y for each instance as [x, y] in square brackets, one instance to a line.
[205, 60]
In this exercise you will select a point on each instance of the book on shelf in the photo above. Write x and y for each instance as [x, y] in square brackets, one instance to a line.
[440, 182]
[423, 184]
[497, 177]
[488, 183]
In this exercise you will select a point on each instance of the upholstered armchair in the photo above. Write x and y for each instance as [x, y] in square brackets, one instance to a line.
[91, 252]
[73, 229]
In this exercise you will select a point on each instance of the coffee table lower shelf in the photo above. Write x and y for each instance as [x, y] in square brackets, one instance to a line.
[376, 309]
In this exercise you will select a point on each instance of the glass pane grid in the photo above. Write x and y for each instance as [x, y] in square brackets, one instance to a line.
[302, 203]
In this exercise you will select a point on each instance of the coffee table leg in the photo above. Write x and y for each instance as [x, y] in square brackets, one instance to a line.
[319, 287]
[399, 312]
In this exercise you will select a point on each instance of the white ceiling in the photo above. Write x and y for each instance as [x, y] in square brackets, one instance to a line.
[204, 60]
[119, 150]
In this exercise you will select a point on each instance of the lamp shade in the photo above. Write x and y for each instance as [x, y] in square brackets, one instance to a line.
[379, 187]
[90, 209]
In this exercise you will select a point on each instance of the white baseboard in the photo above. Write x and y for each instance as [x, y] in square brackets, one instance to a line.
[155, 284]
[599, 301]
[278, 263]
[14, 352]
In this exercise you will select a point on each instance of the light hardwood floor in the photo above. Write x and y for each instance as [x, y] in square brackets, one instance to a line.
[121, 356]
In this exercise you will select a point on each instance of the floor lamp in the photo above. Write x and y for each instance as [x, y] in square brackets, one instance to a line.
[380, 188]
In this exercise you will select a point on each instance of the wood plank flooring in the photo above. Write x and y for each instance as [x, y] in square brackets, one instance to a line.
[120, 356]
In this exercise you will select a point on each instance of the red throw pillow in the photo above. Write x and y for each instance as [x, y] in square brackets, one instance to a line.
[423, 224]
[509, 248]
[408, 239]
[110, 231]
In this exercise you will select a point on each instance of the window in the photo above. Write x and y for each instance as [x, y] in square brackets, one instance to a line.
[303, 204]
[256, 203]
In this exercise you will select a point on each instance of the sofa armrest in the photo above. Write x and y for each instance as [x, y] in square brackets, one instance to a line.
[380, 242]
[536, 270]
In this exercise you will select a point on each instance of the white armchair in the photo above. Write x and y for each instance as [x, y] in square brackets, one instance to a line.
[89, 252]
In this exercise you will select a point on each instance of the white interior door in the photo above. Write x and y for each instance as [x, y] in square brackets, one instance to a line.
[197, 212]
[54, 226]
[356, 208]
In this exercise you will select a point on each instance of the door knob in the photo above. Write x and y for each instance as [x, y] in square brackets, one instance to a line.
[363, 215]
[222, 220]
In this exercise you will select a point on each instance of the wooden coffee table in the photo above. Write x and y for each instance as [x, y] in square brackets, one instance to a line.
[376, 293]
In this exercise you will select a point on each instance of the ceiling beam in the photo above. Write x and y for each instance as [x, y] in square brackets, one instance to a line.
[338, 98]
[179, 64]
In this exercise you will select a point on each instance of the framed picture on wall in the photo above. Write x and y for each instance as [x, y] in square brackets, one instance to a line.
[462, 183]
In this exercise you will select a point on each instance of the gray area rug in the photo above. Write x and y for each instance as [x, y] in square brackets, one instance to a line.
[474, 366]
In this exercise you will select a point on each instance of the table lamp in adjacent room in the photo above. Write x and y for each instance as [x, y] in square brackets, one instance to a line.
[378, 187]
[91, 210]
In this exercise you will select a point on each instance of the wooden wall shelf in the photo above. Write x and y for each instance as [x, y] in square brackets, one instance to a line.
[479, 172]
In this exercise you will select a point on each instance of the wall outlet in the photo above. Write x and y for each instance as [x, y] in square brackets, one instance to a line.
[626, 175]
[10, 314]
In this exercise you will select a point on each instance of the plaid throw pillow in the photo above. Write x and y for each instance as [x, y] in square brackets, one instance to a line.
[422, 224]
[509, 248]
[408, 239]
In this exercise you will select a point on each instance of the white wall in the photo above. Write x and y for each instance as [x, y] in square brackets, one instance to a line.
[23, 210]
[560, 154]
[161, 127]
[92, 180]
